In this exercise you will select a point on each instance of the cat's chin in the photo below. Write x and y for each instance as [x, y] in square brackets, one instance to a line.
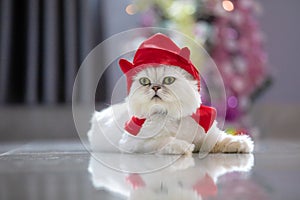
[157, 109]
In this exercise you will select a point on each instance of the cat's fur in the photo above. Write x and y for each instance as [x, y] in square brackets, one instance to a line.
[169, 127]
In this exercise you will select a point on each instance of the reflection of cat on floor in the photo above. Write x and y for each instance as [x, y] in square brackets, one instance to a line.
[163, 112]
[188, 178]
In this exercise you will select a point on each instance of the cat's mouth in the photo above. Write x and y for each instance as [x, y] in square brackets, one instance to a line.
[156, 97]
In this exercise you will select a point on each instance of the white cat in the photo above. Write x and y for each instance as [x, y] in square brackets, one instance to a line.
[163, 111]
[165, 97]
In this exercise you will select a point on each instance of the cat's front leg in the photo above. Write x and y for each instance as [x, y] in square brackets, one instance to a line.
[226, 143]
[167, 145]
[233, 144]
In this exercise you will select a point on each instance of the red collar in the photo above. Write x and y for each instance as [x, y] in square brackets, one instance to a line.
[204, 116]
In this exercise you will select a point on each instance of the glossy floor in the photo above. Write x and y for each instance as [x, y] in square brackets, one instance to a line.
[64, 170]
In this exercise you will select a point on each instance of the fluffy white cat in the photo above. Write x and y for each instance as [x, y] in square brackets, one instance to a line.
[165, 97]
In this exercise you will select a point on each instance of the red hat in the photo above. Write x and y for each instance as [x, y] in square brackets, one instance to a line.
[158, 49]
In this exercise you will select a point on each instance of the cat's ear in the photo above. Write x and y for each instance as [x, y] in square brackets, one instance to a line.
[185, 53]
[125, 65]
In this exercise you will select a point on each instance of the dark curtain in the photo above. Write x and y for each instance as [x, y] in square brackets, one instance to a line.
[42, 43]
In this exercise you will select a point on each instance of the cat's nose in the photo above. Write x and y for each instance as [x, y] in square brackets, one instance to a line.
[155, 88]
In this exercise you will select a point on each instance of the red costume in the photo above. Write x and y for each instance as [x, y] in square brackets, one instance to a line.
[159, 49]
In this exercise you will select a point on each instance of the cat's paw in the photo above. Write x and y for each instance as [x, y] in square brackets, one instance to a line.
[177, 147]
[234, 144]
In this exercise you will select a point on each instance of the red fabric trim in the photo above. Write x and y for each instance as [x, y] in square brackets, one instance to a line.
[205, 116]
[134, 125]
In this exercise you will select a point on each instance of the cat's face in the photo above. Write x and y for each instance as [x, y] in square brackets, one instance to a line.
[163, 89]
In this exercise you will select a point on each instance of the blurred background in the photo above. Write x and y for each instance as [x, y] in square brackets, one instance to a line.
[42, 44]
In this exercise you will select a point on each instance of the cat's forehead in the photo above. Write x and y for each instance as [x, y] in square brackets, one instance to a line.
[158, 72]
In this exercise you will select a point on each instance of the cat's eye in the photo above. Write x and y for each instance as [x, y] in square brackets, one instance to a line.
[145, 81]
[168, 80]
